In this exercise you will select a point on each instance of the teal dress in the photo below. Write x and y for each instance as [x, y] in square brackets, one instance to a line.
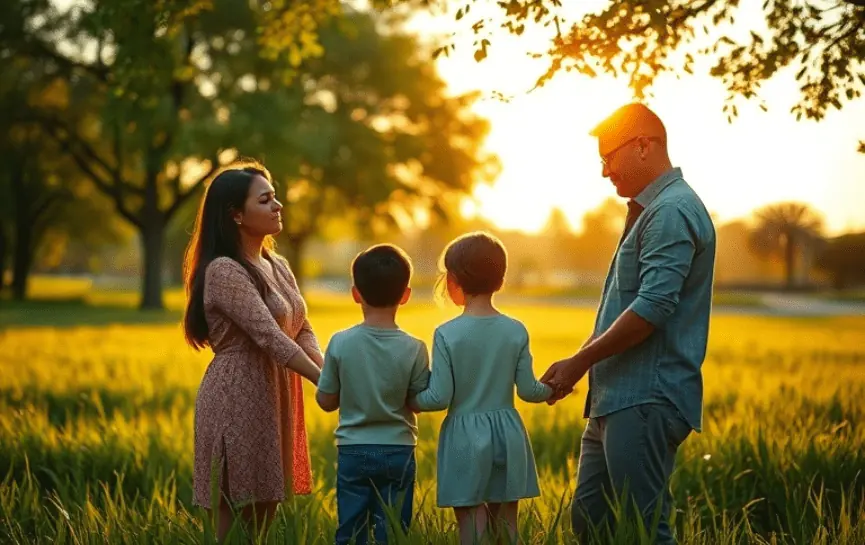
[484, 453]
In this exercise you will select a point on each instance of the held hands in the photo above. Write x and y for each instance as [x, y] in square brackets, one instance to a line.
[411, 404]
[562, 376]
[314, 376]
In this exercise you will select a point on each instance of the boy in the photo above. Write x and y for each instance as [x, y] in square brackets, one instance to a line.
[369, 371]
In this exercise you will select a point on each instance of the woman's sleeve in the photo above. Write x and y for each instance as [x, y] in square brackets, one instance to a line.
[306, 336]
[229, 288]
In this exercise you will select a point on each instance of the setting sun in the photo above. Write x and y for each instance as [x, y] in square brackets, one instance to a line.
[549, 160]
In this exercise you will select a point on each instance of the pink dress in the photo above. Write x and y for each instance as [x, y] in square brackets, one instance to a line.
[249, 410]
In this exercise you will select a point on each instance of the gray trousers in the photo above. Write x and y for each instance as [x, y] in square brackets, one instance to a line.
[634, 447]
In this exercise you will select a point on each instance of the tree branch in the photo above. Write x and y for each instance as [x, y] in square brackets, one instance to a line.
[110, 189]
[181, 198]
[37, 217]
[55, 126]
[40, 48]
[178, 96]
[118, 149]
[841, 37]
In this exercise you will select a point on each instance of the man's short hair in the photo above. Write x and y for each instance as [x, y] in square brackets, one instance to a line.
[381, 274]
[628, 122]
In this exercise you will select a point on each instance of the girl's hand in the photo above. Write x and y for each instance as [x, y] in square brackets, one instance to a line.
[558, 394]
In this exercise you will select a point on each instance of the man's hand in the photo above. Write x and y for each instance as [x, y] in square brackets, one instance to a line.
[562, 376]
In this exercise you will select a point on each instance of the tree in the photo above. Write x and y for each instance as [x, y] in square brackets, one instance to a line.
[151, 93]
[366, 133]
[40, 190]
[601, 230]
[786, 229]
[823, 40]
[563, 243]
[843, 258]
[46, 196]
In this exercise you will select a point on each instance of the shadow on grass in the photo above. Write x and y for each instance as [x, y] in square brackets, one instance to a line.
[72, 312]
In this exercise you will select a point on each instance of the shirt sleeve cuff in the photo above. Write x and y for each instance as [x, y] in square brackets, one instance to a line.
[648, 311]
[326, 387]
[421, 383]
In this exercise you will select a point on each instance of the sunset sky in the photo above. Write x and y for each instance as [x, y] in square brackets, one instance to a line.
[548, 159]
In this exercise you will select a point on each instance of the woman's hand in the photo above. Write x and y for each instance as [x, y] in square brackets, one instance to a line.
[301, 364]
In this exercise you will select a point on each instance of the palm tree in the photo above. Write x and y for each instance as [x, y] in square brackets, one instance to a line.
[785, 229]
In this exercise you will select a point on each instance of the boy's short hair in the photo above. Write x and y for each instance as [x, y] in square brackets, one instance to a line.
[381, 274]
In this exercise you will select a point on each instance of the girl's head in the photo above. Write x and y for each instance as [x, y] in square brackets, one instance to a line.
[240, 201]
[472, 264]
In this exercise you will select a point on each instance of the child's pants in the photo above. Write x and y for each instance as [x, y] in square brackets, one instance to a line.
[366, 475]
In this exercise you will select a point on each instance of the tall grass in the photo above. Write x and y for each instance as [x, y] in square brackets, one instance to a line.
[96, 436]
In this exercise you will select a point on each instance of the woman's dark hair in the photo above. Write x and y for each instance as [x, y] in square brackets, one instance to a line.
[478, 261]
[217, 235]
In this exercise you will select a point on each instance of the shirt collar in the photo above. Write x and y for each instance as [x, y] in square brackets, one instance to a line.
[651, 191]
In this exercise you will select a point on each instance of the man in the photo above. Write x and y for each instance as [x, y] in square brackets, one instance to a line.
[646, 351]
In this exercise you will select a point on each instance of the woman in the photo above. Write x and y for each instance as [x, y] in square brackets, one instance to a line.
[243, 302]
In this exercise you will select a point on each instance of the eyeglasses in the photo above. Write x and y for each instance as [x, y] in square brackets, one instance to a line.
[606, 158]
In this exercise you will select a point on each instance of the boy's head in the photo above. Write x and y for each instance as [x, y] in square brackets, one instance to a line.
[380, 276]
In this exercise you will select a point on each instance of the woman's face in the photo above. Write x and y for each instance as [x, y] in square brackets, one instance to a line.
[262, 213]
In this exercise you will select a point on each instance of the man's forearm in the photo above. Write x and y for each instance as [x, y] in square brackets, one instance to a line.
[627, 331]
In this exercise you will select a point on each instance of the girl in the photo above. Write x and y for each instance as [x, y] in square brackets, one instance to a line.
[243, 303]
[485, 460]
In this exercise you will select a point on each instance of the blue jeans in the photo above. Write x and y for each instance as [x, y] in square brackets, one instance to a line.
[634, 448]
[366, 476]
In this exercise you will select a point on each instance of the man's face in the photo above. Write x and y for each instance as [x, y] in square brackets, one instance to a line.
[622, 164]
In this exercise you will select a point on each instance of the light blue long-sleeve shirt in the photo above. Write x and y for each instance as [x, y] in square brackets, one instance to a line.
[663, 272]
[476, 362]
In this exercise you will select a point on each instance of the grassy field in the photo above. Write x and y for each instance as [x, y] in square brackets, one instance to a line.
[96, 408]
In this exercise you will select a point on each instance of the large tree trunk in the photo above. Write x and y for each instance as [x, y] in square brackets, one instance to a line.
[4, 247]
[21, 233]
[296, 247]
[153, 245]
[789, 260]
[23, 256]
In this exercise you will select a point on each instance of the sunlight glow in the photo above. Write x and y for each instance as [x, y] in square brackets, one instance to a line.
[549, 160]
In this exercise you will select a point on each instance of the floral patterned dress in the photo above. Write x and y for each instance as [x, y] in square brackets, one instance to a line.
[250, 436]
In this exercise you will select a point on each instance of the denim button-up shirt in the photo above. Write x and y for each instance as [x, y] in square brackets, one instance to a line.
[662, 271]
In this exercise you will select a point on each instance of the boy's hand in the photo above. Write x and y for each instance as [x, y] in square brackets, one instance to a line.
[327, 402]
[410, 404]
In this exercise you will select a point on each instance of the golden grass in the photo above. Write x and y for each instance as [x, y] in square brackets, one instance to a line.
[96, 433]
